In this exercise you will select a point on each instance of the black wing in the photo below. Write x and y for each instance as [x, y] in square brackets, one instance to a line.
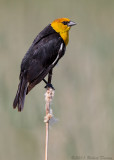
[41, 57]
[44, 33]
[48, 30]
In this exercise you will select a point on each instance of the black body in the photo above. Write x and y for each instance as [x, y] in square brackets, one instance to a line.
[44, 53]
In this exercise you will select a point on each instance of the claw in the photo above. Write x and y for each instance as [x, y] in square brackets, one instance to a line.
[49, 86]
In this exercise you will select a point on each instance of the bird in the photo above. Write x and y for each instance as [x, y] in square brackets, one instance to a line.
[46, 50]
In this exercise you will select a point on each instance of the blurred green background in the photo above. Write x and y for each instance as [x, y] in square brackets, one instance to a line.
[83, 79]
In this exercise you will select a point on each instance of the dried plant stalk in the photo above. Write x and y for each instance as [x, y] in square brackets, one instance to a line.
[48, 98]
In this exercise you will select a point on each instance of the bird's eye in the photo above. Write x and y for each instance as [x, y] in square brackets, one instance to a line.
[65, 22]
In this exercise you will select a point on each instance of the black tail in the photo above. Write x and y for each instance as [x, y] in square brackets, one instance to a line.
[20, 95]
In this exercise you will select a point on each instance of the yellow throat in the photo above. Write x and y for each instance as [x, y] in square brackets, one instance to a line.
[65, 37]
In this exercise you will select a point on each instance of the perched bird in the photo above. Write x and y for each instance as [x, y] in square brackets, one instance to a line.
[46, 50]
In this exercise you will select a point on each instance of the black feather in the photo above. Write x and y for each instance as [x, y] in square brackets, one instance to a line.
[38, 61]
[21, 92]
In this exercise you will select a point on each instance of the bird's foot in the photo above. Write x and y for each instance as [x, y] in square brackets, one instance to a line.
[49, 85]
[48, 117]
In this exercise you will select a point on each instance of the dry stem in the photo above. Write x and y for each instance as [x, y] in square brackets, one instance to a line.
[48, 98]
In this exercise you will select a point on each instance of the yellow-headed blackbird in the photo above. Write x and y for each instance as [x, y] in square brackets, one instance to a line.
[46, 50]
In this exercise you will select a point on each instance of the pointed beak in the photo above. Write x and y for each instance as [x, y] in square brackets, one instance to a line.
[71, 23]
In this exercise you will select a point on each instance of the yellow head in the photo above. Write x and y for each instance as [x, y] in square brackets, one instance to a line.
[62, 26]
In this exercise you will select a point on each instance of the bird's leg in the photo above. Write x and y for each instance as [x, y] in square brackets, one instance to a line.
[50, 76]
[48, 84]
[45, 81]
